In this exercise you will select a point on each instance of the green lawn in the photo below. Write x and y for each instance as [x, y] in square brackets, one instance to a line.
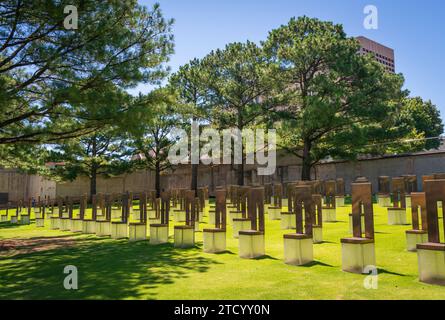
[32, 267]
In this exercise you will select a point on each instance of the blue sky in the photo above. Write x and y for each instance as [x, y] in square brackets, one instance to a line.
[414, 29]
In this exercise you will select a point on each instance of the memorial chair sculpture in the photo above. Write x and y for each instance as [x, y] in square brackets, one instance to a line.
[288, 217]
[65, 220]
[410, 186]
[89, 224]
[155, 213]
[56, 214]
[239, 218]
[358, 252]
[159, 231]
[179, 214]
[251, 242]
[384, 191]
[15, 216]
[185, 234]
[215, 239]
[25, 216]
[203, 195]
[419, 233]
[329, 210]
[317, 218]
[397, 213]
[137, 231]
[431, 255]
[340, 193]
[4, 217]
[119, 229]
[103, 224]
[39, 213]
[298, 247]
[77, 221]
[274, 210]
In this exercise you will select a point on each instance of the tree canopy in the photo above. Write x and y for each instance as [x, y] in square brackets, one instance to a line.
[57, 83]
[339, 102]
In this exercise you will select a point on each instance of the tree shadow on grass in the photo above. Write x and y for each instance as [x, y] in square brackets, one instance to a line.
[316, 263]
[224, 252]
[380, 271]
[9, 225]
[265, 257]
[324, 242]
[107, 269]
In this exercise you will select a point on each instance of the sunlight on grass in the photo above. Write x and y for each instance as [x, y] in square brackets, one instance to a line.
[118, 269]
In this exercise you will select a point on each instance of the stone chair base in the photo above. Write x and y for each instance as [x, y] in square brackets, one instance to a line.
[151, 214]
[24, 219]
[214, 240]
[40, 222]
[288, 221]
[339, 201]
[414, 237]
[251, 244]
[274, 213]
[184, 237]
[284, 202]
[154, 220]
[116, 213]
[54, 223]
[298, 249]
[119, 230]
[357, 254]
[137, 231]
[179, 216]
[158, 233]
[235, 215]
[351, 225]
[76, 225]
[135, 216]
[396, 216]
[14, 219]
[431, 259]
[3, 218]
[317, 234]
[408, 201]
[89, 227]
[65, 224]
[103, 228]
[384, 200]
[212, 214]
[238, 225]
[329, 215]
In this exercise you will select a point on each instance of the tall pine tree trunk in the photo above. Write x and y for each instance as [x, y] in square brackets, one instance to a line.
[93, 173]
[93, 181]
[158, 179]
[307, 161]
[194, 182]
[194, 185]
[240, 172]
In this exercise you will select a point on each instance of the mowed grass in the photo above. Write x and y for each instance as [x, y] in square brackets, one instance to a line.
[119, 269]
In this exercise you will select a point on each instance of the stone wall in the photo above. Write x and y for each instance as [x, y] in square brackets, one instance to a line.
[15, 186]
[135, 182]
[21, 186]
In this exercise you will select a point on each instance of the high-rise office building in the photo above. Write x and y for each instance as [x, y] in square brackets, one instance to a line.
[383, 54]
